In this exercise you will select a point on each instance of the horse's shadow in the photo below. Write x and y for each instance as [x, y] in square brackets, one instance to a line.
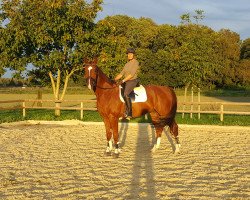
[143, 167]
[166, 130]
[123, 133]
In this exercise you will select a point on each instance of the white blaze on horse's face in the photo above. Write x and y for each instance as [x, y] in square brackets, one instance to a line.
[89, 85]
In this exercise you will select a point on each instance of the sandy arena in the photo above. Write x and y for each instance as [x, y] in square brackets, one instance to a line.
[66, 160]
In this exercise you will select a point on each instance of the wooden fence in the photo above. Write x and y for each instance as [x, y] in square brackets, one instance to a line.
[221, 111]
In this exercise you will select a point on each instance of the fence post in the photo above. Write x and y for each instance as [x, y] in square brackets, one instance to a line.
[24, 110]
[39, 97]
[192, 102]
[81, 110]
[221, 112]
[184, 105]
[199, 105]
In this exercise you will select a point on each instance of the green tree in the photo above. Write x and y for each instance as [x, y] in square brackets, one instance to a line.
[113, 55]
[245, 49]
[141, 33]
[228, 54]
[199, 15]
[243, 72]
[53, 35]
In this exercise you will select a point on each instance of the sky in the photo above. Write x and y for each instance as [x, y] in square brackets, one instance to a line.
[228, 14]
[219, 14]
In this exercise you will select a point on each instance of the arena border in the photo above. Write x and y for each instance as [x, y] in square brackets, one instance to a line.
[78, 122]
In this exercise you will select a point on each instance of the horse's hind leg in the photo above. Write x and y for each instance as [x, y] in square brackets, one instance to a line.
[175, 131]
[158, 129]
[158, 132]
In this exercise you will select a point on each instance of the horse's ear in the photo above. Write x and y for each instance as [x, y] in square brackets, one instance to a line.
[85, 61]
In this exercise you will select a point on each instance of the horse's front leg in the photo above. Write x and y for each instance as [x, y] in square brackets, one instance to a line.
[108, 135]
[114, 126]
[158, 129]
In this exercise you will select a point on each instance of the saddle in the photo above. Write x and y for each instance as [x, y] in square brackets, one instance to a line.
[137, 95]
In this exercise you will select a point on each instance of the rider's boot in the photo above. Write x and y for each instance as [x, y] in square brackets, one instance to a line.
[128, 103]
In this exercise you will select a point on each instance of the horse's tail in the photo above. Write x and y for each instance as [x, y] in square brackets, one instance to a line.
[174, 106]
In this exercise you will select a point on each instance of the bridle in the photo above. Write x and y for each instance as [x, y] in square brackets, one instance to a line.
[94, 81]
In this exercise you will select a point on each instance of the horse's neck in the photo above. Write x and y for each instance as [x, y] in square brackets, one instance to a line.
[104, 85]
[103, 80]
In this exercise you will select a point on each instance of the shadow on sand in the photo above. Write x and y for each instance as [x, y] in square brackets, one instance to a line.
[143, 177]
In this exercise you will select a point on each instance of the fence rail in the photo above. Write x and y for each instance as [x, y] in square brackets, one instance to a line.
[221, 111]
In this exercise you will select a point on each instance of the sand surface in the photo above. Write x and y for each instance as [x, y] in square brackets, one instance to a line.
[66, 160]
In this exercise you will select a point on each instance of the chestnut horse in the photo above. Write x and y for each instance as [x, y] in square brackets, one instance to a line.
[161, 104]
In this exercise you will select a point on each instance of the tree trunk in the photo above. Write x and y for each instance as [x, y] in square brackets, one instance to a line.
[56, 89]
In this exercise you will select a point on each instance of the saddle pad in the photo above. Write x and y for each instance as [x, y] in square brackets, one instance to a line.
[140, 94]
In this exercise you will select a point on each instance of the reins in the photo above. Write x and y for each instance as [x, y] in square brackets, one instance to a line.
[103, 88]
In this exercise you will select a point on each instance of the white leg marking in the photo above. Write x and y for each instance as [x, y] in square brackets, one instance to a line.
[110, 145]
[158, 142]
[157, 145]
[117, 151]
[177, 148]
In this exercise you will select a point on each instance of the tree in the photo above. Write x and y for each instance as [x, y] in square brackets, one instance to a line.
[186, 18]
[228, 54]
[141, 33]
[53, 35]
[245, 49]
[113, 55]
[199, 15]
[243, 72]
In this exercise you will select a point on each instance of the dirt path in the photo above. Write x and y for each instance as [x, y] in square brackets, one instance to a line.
[55, 161]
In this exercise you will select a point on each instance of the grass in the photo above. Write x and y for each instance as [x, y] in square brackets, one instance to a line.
[83, 93]
[227, 93]
[45, 90]
[48, 115]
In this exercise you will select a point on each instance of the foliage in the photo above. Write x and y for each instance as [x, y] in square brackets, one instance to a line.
[243, 72]
[173, 55]
[54, 36]
[245, 49]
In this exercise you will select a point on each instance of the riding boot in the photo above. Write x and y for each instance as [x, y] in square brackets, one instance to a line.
[128, 113]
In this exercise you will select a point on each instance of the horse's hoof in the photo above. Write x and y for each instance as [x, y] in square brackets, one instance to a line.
[177, 148]
[108, 151]
[117, 151]
[154, 149]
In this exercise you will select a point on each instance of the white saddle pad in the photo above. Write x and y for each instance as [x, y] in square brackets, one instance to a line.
[140, 94]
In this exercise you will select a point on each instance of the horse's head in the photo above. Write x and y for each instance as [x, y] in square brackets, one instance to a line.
[91, 74]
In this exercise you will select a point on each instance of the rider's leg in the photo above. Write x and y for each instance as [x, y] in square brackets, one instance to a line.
[128, 106]
[130, 85]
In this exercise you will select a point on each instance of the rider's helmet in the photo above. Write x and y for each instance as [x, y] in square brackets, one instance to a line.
[130, 50]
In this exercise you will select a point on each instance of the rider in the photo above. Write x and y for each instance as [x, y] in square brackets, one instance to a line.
[129, 72]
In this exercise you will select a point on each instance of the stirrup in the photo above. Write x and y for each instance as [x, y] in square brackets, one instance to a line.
[128, 117]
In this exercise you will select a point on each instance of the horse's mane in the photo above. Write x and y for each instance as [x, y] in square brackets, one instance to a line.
[104, 76]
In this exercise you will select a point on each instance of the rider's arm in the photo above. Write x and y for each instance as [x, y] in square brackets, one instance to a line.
[118, 77]
[127, 78]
